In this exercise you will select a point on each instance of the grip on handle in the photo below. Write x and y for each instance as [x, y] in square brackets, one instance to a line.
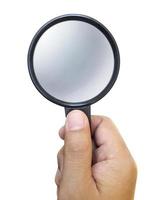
[85, 109]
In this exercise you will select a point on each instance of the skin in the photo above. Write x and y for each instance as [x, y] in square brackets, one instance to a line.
[105, 172]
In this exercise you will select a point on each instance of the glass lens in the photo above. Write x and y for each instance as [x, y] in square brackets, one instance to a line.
[73, 61]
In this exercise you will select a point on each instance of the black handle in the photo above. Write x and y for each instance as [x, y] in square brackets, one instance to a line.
[85, 109]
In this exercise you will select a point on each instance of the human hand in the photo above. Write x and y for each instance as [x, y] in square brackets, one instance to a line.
[106, 173]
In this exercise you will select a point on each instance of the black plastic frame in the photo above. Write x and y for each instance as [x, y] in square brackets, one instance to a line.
[99, 26]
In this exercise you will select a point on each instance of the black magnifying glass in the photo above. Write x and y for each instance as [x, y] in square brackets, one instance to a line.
[73, 61]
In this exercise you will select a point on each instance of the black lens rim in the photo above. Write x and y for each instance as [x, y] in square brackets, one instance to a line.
[93, 22]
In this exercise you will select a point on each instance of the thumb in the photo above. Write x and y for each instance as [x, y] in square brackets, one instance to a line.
[77, 147]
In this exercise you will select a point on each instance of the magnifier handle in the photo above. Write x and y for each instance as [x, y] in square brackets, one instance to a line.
[85, 109]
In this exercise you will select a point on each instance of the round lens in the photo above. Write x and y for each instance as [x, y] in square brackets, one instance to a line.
[73, 61]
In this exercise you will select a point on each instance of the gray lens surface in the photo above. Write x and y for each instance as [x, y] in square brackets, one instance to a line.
[73, 61]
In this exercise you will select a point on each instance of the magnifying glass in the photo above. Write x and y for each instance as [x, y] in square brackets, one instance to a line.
[73, 61]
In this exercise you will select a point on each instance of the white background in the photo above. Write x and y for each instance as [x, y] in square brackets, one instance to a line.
[29, 123]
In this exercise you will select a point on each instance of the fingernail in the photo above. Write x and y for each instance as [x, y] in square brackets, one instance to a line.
[75, 120]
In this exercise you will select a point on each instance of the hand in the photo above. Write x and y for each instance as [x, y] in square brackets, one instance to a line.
[105, 173]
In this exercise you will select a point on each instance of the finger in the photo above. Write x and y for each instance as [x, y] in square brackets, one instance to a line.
[60, 158]
[95, 121]
[77, 147]
[62, 132]
[58, 177]
[104, 131]
[108, 139]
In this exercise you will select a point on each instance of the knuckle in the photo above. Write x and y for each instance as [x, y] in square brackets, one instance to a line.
[130, 167]
[60, 156]
[107, 119]
[56, 181]
[60, 153]
[58, 177]
[133, 168]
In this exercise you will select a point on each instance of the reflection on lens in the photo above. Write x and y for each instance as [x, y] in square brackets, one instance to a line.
[73, 61]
